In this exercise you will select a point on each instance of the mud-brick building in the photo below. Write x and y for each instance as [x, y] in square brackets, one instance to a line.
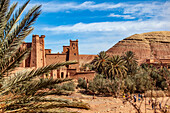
[40, 56]
[158, 63]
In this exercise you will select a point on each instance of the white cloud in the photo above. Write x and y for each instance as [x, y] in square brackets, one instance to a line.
[110, 32]
[103, 35]
[154, 9]
[146, 8]
[122, 16]
[88, 5]
[128, 10]
[159, 10]
[121, 27]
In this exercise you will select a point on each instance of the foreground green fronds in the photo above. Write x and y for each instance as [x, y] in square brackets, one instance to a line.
[13, 30]
[14, 82]
[44, 103]
[26, 91]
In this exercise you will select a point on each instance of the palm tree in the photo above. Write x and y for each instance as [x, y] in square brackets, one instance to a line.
[20, 92]
[131, 62]
[116, 67]
[100, 62]
[116, 70]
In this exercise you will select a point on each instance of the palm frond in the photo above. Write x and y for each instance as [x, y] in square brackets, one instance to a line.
[20, 78]
[11, 10]
[30, 88]
[11, 51]
[61, 103]
[13, 39]
[14, 61]
[18, 34]
[44, 104]
[4, 4]
[11, 24]
[54, 92]
[24, 89]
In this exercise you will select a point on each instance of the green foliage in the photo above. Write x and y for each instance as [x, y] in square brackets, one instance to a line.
[99, 62]
[82, 83]
[129, 85]
[143, 82]
[25, 91]
[131, 63]
[115, 67]
[132, 78]
[70, 86]
[13, 31]
[88, 67]
[159, 78]
[103, 86]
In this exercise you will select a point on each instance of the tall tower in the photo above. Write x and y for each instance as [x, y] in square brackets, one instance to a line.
[37, 52]
[74, 54]
[42, 50]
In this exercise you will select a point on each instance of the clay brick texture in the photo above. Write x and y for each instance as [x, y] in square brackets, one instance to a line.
[40, 57]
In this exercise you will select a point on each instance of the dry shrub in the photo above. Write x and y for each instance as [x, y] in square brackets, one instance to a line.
[69, 86]
[82, 83]
[154, 93]
[167, 93]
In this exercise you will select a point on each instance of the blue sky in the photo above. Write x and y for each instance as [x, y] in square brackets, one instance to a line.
[97, 24]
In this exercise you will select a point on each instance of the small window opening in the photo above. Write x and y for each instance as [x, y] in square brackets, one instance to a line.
[62, 75]
[67, 76]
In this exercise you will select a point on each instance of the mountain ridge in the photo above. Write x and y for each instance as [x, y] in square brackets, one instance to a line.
[150, 45]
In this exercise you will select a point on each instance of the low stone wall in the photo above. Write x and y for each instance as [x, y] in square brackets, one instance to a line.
[86, 75]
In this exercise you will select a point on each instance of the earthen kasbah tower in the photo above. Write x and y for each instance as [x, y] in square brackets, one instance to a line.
[40, 57]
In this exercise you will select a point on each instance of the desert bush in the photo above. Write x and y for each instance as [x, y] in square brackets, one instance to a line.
[82, 83]
[103, 86]
[155, 93]
[128, 85]
[159, 77]
[143, 82]
[70, 86]
[145, 79]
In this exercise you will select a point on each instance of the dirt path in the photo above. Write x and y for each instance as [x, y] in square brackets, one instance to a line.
[109, 105]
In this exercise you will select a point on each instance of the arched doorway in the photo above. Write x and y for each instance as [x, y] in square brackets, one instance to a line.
[62, 74]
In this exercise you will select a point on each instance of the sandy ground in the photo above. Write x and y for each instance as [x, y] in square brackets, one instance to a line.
[110, 104]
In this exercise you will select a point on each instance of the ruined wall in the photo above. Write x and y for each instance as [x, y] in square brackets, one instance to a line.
[66, 49]
[23, 46]
[55, 58]
[54, 74]
[59, 73]
[86, 75]
[26, 62]
[71, 72]
[84, 59]
[47, 51]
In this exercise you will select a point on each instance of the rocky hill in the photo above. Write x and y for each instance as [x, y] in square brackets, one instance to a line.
[149, 45]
